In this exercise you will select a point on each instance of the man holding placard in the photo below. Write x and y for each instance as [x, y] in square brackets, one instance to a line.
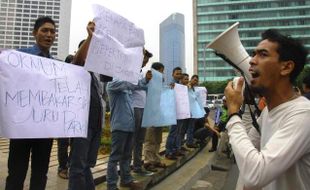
[84, 151]
[44, 33]
[122, 127]
[139, 99]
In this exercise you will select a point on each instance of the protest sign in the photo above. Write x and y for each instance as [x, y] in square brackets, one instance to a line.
[167, 108]
[159, 108]
[202, 95]
[116, 48]
[196, 109]
[182, 101]
[42, 98]
[118, 27]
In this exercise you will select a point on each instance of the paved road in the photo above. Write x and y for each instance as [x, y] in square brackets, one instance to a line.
[224, 172]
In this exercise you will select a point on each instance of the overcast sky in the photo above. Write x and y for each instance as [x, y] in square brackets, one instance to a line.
[146, 14]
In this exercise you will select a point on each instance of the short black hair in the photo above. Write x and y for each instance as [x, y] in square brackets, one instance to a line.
[288, 49]
[176, 69]
[185, 75]
[195, 76]
[42, 20]
[147, 53]
[69, 58]
[306, 81]
[157, 66]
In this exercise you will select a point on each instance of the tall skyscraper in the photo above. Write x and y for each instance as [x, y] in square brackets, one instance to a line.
[17, 18]
[211, 17]
[172, 44]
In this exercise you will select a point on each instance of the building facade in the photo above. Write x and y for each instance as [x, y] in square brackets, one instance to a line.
[17, 18]
[212, 17]
[172, 44]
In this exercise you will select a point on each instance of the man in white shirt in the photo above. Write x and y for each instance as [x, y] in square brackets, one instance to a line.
[139, 98]
[277, 157]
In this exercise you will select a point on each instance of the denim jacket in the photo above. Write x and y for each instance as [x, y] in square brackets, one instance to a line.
[122, 113]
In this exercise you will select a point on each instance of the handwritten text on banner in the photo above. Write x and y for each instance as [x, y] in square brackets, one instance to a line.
[116, 46]
[42, 98]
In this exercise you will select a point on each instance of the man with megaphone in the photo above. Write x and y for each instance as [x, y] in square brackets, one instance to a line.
[277, 156]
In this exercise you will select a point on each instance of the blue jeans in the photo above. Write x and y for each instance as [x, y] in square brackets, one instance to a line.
[83, 156]
[121, 149]
[173, 142]
[190, 131]
[184, 126]
[138, 139]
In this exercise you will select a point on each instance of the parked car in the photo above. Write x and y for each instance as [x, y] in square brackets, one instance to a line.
[210, 104]
[218, 103]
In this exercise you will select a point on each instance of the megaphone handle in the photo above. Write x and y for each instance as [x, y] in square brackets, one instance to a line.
[254, 121]
[229, 61]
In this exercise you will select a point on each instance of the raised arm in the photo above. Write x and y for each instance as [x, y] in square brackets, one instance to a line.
[80, 56]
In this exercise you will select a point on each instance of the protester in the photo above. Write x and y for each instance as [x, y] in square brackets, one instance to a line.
[44, 32]
[122, 127]
[174, 134]
[193, 96]
[153, 139]
[63, 145]
[139, 98]
[83, 154]
[183, 122]
[277, 155]
[306, 86]
[220, 123]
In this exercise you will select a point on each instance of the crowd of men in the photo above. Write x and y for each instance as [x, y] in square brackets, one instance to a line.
[275, 156]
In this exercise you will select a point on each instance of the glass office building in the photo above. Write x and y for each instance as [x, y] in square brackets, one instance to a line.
[172, 48]
[211, 17]
[17, 18]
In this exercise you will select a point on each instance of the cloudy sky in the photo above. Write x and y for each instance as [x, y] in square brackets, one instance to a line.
[146, 14]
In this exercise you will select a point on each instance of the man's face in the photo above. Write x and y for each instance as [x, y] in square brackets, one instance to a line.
[45, 36]
[177, 75]
[184, 80]
[194, 81]
[265, 66]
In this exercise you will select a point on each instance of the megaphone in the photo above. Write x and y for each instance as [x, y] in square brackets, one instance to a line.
[228, 44]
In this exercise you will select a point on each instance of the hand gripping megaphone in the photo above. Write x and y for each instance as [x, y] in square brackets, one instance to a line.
[228, 46]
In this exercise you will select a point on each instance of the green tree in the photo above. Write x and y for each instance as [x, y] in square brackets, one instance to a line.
[305, 72]
[215, 87]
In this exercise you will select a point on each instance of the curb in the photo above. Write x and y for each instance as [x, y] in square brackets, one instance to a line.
[186, 176]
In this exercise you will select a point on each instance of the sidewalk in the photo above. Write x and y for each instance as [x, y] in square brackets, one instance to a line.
[54, 182]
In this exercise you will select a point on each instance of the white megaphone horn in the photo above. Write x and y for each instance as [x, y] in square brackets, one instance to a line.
[228, 44]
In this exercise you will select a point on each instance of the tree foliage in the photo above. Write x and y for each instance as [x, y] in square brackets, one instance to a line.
[215, 87]
[305, 72]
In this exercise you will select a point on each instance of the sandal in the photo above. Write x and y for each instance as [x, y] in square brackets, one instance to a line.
[160, 165]
[150, 167]
[63, 174]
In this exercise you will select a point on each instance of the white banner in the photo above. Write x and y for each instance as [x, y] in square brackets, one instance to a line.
[108, 57]
[202, 95]
[120, 28]
[182, 101]
[116, 48]
[42, 98]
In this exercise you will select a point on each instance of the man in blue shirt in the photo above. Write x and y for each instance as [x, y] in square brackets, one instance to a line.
[174, 135]
[122, 127]
[44, 33]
